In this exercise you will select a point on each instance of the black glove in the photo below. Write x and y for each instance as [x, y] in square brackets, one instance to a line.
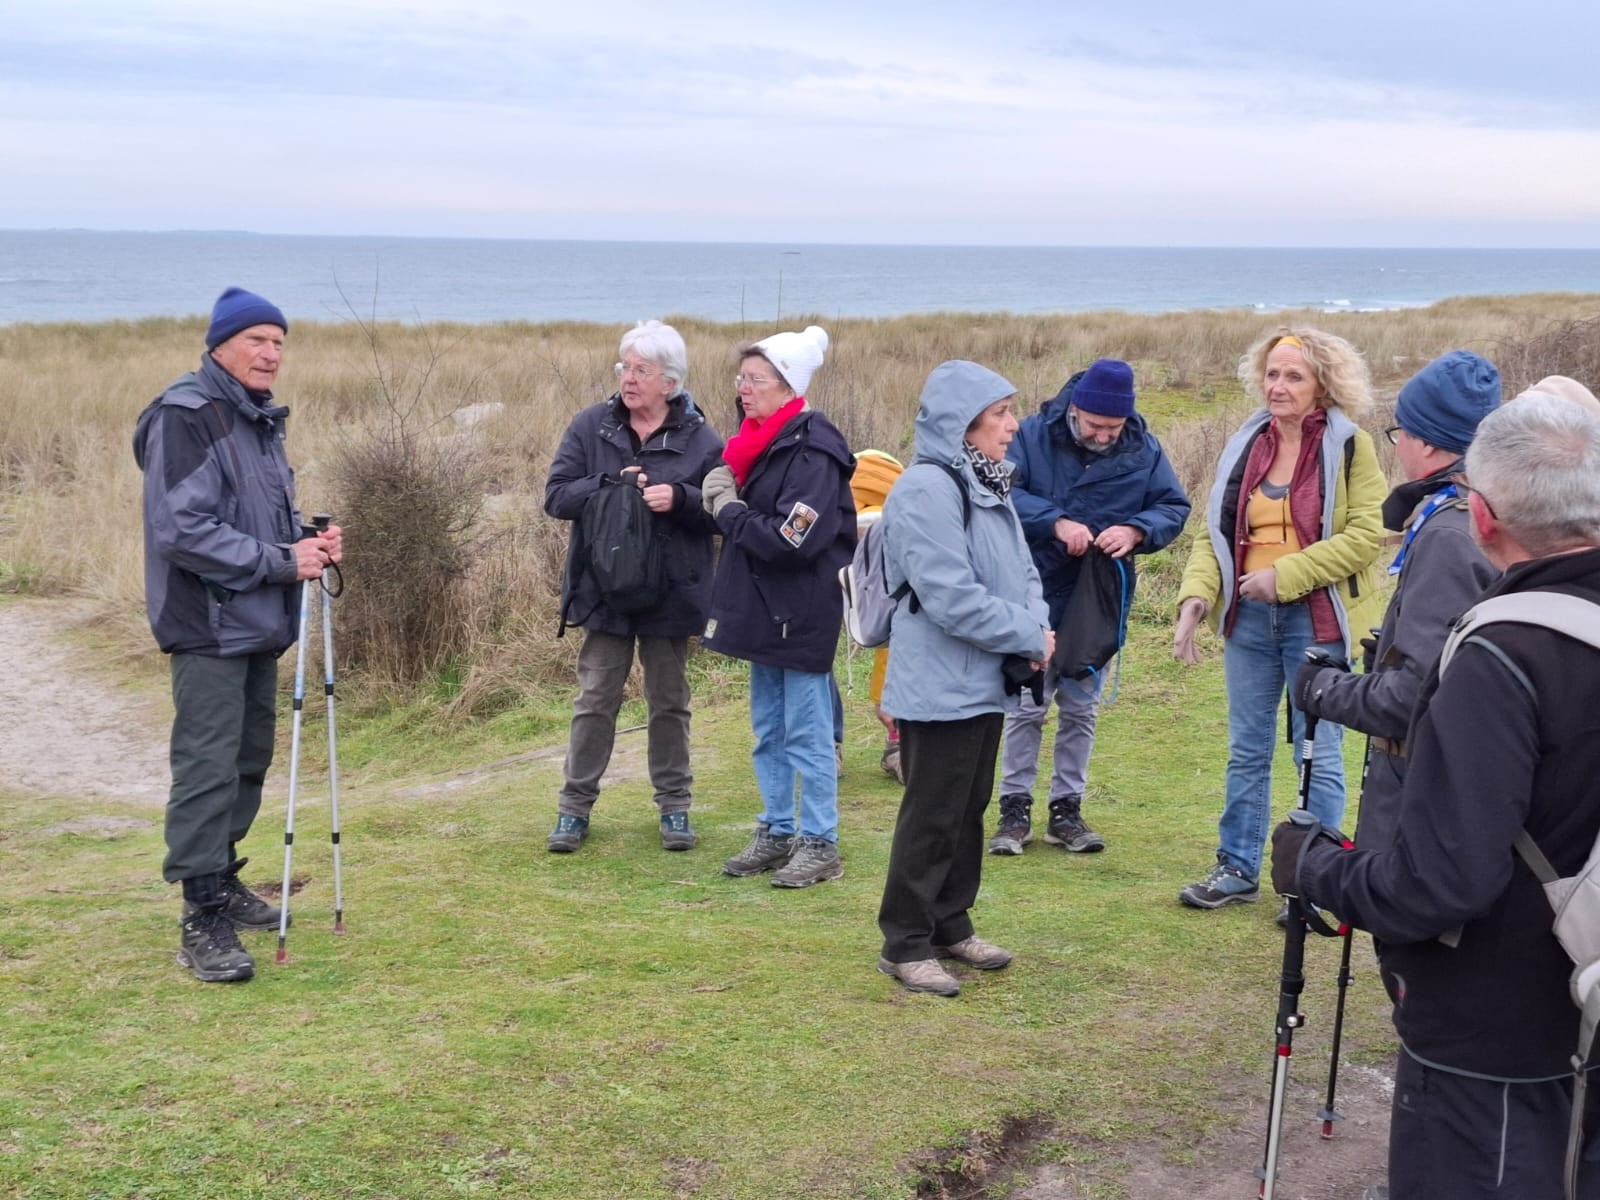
[1290, 841]
[1018, 674]
[1307, 690]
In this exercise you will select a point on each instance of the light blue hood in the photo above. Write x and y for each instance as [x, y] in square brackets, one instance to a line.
[954, 395]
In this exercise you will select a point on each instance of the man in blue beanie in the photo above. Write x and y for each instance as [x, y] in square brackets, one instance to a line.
[224, 554]
[1089, 477]
[1440, 572]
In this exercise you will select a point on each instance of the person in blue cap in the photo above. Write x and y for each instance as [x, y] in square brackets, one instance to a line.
[224, 558]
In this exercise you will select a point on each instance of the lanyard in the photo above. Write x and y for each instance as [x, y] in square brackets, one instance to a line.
[1435, 502]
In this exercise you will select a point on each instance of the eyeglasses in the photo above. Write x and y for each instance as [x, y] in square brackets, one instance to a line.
[1460, 480]
[1393, 434]
[754, 381]
[638, 372]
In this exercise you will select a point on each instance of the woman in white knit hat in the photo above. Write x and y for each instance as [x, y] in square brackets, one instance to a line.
[782, 502]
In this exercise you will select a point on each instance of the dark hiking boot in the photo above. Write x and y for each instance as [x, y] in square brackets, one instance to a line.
[568, 834]
[765, 851]
[815, 860]
[1016, 827]
[1225, 885]
[1068, 829]
[244, 908]
[676, 833]
[210, 947]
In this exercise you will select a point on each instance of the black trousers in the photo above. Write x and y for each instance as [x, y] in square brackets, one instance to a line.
[937, 859]
[1454, 1137]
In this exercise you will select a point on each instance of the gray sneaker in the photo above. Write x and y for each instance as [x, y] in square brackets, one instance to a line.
[815, 860]
[890, 762]
[568, 834]
[1068, 829]
[676, 833]
[1225, 885]
[924, 975]
[209, 946]
[1016, 827]
[765, 851]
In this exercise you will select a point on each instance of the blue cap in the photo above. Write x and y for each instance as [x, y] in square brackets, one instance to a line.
[1106, 389]
[238, 309]
[1443, 403]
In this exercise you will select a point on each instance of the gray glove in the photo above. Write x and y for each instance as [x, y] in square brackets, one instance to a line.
[718, 489]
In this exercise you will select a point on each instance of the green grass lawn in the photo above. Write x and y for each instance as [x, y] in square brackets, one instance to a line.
[623, 1022]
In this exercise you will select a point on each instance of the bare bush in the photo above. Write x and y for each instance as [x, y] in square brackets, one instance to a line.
[1570, 348]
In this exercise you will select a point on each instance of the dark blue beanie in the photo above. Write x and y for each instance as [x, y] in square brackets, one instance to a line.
[1443, 403]
[1106, 389]
[238, 309]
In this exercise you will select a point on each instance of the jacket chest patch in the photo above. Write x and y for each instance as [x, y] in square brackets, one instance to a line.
[798, 523]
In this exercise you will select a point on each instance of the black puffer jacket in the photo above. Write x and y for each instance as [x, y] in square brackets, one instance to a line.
[777, 599]
[1485, 762]
[599, 443]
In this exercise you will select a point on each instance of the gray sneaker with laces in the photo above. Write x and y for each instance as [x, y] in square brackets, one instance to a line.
[1225, 885]
[815, 860]
[764, 851]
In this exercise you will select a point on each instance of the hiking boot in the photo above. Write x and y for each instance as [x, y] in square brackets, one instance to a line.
[1016, 828]
[568, 834]
[675, 832]
[815, 860]
[1225, 885]
[764, 851]
[976, 952]
[1067, 827]
[924, 975]
[890, 762]
[244, 908]
[210, 947]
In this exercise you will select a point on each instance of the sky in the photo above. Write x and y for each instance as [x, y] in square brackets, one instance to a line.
[1358, 123]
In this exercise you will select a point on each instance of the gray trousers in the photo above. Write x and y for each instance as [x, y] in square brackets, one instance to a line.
[603, 666]
[1079, 706]
[225, 710]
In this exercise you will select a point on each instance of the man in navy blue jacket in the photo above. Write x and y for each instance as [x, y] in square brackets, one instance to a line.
[1090, 478]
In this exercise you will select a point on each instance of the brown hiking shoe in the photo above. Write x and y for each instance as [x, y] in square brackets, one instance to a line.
[976, 952]
[924, 975]
[815, 860]
[764, 851]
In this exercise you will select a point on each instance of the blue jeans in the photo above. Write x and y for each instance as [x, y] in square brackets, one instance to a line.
[1259, 660]
[791, 713]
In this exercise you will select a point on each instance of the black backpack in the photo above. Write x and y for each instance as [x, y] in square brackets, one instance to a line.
[1095, 623]
[615, 543]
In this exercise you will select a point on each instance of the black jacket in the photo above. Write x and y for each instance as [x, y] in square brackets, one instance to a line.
[680, 452]
[1485, 761]
[777, 599]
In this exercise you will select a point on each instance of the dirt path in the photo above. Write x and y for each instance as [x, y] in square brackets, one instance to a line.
[64, 728]
[67, 730]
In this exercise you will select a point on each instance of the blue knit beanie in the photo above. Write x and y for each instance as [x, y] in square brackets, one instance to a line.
[1443, 403]
[1106, 389]
[238, 309]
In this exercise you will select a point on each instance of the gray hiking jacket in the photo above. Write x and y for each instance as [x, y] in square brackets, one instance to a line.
[219, 518]
[977, 590]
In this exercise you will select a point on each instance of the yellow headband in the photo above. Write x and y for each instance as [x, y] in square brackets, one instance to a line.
[1288, 339]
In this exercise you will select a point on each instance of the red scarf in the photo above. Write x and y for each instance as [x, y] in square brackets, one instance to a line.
[753, 438]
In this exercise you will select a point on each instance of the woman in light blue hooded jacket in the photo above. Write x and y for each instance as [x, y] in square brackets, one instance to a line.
[951, 534]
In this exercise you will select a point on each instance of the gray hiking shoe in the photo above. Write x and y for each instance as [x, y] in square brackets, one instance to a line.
[976, 952]
[244, 908]
[210, 947]
[815, 860]
[1068, 829]
[1016, 827]
[1225, 885]
[924, 975]
[675, 832]
[890, 762]
[568, 834]
[765, 851]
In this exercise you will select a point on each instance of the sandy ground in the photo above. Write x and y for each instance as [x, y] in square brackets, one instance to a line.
[67, 730]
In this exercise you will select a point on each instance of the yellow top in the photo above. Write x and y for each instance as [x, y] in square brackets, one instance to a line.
[1271, 531]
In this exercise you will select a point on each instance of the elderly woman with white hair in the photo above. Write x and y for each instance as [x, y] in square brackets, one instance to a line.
[650, 434]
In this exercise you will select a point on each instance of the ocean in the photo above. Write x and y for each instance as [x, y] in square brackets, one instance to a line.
[71, 275]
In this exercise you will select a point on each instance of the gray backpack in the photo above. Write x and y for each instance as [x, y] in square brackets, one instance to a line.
[1575, 898]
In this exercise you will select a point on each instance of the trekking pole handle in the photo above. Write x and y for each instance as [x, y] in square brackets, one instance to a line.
[1301, 816]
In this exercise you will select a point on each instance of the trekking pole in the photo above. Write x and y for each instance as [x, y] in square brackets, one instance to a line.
[294, 768]
[322, 521]
[1329, 1114]
[1291, 981]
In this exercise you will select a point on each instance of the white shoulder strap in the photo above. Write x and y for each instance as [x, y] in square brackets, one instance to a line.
[1572, 615]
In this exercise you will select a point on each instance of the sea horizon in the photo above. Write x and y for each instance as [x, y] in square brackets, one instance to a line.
[96, 275]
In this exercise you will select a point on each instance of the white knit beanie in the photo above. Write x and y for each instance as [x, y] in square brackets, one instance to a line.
[796, 355]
